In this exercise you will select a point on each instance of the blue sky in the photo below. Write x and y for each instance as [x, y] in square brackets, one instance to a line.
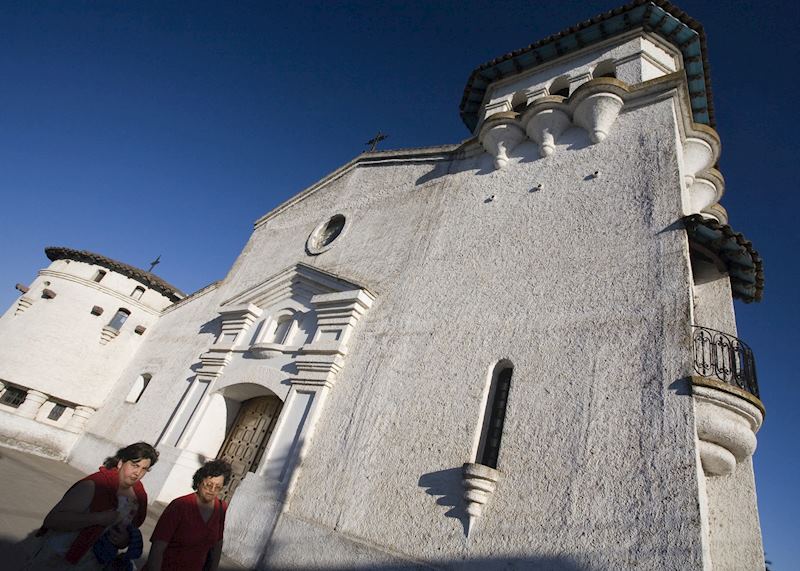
[135, 129]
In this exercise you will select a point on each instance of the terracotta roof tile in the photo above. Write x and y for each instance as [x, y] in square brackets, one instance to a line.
[141, 276]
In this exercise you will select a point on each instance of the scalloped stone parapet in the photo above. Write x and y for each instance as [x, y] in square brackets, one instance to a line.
[597, 113]
[544, 125]
[699, 154]
[479, 484]
[707, 190]
[717, 212]
[499, 137]
[727, 420]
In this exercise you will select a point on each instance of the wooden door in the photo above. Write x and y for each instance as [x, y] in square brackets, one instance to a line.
[245, 443]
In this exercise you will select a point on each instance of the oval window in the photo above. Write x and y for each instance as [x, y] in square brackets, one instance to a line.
[325, 234]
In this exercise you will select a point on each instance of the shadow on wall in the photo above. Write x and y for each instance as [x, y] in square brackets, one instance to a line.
[212, 327]
[534, 563]
[447, 485]
[13, 555]
[574, 139]
[482, 164]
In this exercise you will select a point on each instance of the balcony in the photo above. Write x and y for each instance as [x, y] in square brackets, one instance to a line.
[728, 411]
[725, 358]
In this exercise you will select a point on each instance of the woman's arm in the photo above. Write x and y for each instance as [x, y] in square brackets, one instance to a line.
[156, 556]
[71, 513]
[214, 556]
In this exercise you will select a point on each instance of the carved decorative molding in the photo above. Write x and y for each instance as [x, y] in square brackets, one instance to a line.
[319, 362]
[594, 106]
[479, 484]
[107, 334]
[236, 321]
[22, 304]
[500, 135]
[546, 125]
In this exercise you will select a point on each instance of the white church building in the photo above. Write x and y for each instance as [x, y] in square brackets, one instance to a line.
[519, 351]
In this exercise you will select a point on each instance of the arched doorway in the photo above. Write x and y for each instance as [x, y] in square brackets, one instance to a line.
[248, 437]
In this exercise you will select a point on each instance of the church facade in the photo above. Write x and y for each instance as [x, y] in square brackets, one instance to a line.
[519, 351]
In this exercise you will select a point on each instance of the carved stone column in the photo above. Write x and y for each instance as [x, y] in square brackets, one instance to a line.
[318, 365]
[79, 417]
[32, 403]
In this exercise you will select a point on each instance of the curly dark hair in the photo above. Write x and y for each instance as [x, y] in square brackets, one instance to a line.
[212, 469]
[137, 451]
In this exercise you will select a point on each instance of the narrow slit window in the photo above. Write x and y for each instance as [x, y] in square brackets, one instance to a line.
[99, 275]
[119, 319]
[495, 416]
[138, 292]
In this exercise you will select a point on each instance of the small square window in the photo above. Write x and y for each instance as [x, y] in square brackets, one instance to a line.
[13, 396]
[57, 411]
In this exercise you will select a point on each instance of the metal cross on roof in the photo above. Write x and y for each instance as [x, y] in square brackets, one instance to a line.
[373, 142]
[154, 263]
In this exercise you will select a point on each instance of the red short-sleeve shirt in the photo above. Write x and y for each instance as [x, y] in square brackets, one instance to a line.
[188, 537]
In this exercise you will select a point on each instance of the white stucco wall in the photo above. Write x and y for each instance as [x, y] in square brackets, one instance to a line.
[574, 268]
[71, 364]
[583, 285]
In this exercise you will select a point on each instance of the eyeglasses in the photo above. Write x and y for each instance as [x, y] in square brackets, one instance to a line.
[211, 487]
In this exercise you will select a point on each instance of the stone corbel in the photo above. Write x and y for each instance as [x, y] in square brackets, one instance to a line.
[727, 420]
[700, 153]
[107, 334]
[545, 122]
[479, 484]
[706, 191]
[716, 211]
[499, 135]
[23, 303]
[597, 113]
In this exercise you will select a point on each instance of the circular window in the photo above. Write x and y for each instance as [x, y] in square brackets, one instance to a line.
[325, 234]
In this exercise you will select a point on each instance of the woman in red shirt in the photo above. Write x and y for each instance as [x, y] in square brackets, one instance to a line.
[189, 532]
[105, 507]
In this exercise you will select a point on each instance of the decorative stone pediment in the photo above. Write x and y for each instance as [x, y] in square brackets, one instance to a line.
[328, 305]
[298, 282]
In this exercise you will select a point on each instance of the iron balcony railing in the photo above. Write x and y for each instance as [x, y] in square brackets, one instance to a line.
[718, 355]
